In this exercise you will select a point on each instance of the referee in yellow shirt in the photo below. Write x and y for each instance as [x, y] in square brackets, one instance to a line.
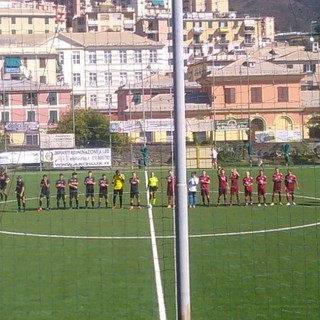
[117, 181]
[153, 187]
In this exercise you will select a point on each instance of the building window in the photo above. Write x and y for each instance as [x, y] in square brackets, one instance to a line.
[52, 98]
[256, 95]
[76, 101]
[4, 99]
[136, 98]
[31, 116]
[209, 24]
[283, 94]
[92, 57]
[76, 57]
[46, 20]
[93, 100]
[107, 56]
[93, 79]
[169, 37]
[4, 117]
[13, 20]
[30, 31]
[46, 31]
[53, 117]
[108, 78]
[185, 37]
[43, 79]
[309, 68]
[76, 79]
[13, 31]
[153, 56]
[145, 137]
[138, 76]
[137, 56]
[229, 95]
[42, 62]
[30, 98]
[61, 58]
[169, 136]
[184, 25]
[123, 56]
[123, 78]
[108, 99]
[32, 139]
[30, 20]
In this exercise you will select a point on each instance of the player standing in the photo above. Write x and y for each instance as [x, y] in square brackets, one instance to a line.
[4, 181]
[103, 190]
[134, 190]
[248, 188]
[222, 185]
[170, 188]
[153, 187]
[261, 181]
[290, 181]
[192, 189]
[44, 192]
[204, 180]
[61, 191]
[277, 179]
[214, 157]
[73, 190]
[234, 190]
[89, 182]
[118, 180]
[20, 193]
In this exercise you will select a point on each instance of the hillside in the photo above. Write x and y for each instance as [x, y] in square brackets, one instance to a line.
[290, 15]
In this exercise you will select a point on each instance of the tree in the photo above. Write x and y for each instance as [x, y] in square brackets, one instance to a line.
[91, 129]
[314, 127]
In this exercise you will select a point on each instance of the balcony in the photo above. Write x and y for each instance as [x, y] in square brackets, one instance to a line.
[249, 29]
[197, 30]
[249, 42]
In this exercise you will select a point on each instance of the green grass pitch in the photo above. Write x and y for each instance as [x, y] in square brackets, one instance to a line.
[245, 262]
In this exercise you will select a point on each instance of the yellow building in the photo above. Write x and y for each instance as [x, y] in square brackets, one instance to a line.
[205, 5]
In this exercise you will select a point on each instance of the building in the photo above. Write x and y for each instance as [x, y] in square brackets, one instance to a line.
[206, 6]
[29, 108]
[22, 17]
[97, 64]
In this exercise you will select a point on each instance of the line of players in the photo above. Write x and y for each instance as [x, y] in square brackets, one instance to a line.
[89, 181]
[290, 183]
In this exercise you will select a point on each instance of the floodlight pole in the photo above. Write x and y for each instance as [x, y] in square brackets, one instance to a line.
[181, 210]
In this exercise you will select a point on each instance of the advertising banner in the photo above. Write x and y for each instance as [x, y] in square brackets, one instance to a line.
[57, 141]
[232, 124]
[23, 157]
[21, 126]
[278, 136]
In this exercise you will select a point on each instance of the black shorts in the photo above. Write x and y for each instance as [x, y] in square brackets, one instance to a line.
[73, 194]
[134, 194]
[89, 193]
[61, 194]
[119, 192]
[44, 194]
[153, 189]
[103, 193]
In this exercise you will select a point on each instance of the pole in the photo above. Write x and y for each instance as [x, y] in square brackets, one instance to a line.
[181, 211]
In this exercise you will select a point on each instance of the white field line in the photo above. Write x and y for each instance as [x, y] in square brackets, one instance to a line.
[156, 265]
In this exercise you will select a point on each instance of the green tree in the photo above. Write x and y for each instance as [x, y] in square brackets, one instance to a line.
[91, 129]
[314, 127]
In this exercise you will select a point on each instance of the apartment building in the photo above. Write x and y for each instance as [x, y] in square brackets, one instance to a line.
[31, 17]
[206, 33]
[97, 64]
[206, 5]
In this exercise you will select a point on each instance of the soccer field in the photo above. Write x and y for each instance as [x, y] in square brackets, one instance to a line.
[245, 262]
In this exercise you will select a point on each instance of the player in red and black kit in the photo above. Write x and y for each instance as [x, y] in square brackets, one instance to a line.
[277, 179]
[134, 190]
[89, 182]
[103, 190]
[261, 181]
[20, 193]
[223, 185]
[170, 188]
[248, 188]
[73, 184]
[4, 180]
[234, 190]
[204, 180]
[290, 182]
[61, 191]
[44, 192]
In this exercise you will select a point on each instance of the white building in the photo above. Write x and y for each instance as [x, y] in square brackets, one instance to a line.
[97, 64]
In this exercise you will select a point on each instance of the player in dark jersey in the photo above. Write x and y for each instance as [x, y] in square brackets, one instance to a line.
[134, 190]
[73, 190]
[223, 186]
[103, 190]
[4, 180]
[20, 193]
[89, 182]
[204, 180]
[44, 192]
[170, 188]
[61, 191]
[290, 182]
[234, 190]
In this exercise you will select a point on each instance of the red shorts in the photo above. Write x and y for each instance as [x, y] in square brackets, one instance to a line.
[205, 192]
[170, 192]
[262, 191]
[234, 190]
[223, 191]
[290, 190]
[247, 193]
